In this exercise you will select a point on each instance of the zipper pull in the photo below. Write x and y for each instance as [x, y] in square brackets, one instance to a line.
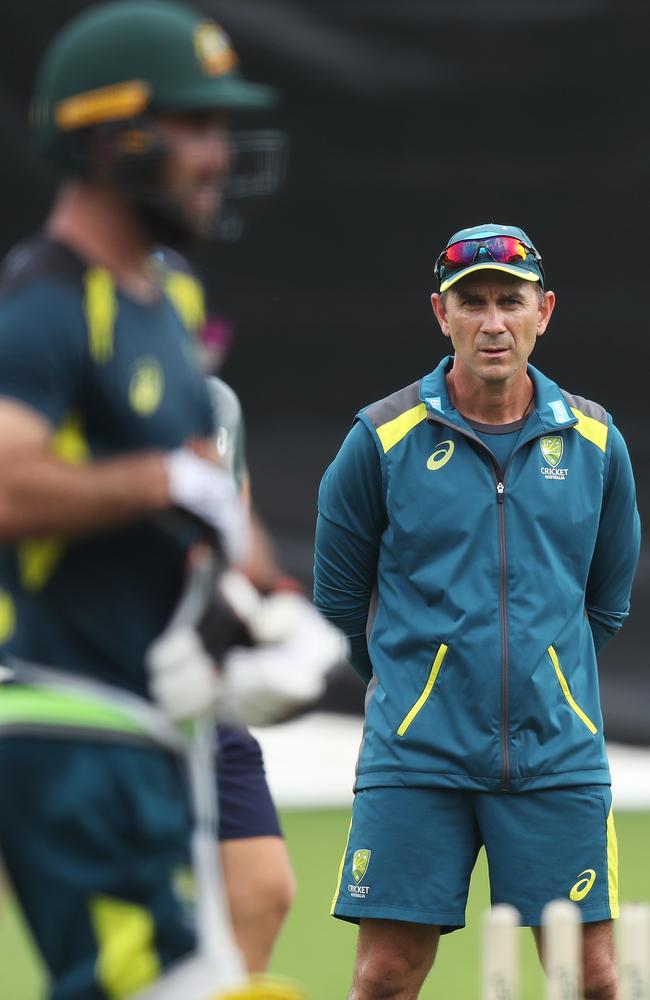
[500, 491]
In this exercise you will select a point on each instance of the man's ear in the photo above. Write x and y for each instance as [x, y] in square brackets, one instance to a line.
[546, 308]
[440, 312]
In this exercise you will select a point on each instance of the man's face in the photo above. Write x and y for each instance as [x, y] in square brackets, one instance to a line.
[198, 163]
[493, 321]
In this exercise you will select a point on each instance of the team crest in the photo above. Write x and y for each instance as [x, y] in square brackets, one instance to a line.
[552, 450]
[147, 386]
[360, 862]
[213, 49]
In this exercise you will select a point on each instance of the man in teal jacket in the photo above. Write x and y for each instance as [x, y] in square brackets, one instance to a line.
[477, 540]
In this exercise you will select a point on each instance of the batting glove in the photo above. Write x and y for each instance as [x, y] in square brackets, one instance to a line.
[211, 494]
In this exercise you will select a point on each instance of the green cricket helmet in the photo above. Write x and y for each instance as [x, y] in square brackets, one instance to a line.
[111, 69]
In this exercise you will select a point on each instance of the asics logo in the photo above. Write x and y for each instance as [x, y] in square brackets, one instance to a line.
[585, 881]
[441, 455]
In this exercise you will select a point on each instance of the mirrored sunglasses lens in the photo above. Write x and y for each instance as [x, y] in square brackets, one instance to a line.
[460, 253]
[506, 249]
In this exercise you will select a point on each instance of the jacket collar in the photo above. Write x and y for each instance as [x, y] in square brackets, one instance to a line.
[551, 408]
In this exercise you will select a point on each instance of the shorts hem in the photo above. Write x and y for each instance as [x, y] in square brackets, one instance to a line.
[587, 916]
[388, 912]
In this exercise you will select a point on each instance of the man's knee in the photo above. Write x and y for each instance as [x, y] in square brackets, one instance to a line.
[387, 976]
[393, 959]
[600, 977]
[601, 982]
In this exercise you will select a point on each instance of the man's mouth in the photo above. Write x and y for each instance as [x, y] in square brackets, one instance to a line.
[494, 352]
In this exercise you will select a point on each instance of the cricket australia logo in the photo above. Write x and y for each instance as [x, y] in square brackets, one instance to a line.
[147, 386]
[360, 862]
[552, 449]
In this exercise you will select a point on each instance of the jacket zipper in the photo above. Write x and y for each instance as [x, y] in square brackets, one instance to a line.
[503, 613]
[500, 479]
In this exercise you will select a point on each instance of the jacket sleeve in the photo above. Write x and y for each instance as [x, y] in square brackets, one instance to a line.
[616, 551]
[351, 519]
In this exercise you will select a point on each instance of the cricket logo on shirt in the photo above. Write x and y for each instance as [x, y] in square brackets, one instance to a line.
[552, 449]
[360, 862]
[147, 386]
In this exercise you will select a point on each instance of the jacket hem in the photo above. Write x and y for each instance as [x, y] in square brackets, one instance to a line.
[478, 783]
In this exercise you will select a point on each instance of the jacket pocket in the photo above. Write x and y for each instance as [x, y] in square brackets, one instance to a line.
[428, 688]
[567, 693]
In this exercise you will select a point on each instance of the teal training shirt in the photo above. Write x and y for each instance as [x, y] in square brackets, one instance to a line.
[499, 438]
[482, 599]
[111, 376]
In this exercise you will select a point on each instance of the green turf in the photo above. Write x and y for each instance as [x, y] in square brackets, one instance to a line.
[319, 951]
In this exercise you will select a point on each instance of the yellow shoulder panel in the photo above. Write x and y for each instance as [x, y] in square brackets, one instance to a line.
[392, 432]
[100, 306]
[186, 294]
[592, 430]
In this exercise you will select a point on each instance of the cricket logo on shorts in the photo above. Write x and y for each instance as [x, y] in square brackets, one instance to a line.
[360, 863]
[552, 449]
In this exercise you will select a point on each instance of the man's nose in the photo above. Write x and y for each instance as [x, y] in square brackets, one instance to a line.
[493, 319]
[220, 152]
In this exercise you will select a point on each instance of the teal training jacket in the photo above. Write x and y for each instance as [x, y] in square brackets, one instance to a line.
[483, 592]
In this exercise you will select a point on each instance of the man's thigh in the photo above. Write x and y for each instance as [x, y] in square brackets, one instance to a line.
[556, 843]
[409, 856]
[95, 839]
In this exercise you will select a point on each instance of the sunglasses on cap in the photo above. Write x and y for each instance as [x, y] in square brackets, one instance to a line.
[501, 249]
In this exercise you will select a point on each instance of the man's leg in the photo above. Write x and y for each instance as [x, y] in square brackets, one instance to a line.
[404, 878]
[600, 977]
[260, 888]
[393, 959]
[257, 872]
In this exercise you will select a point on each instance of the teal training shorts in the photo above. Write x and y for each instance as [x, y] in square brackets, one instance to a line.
[410, 853]
[95, 839]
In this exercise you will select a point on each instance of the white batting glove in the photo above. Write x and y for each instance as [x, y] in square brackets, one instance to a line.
[267, 683]
[286, 669]
[183, 679]
[210, 493]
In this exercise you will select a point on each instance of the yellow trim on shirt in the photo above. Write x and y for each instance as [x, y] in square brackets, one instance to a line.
[392, 432]
[186, 294]
[100, 306]
[591, 429]
[567, 693]
[428, 688]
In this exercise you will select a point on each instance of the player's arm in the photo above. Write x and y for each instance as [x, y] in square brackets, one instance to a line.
[617, 547]
[43, 494]
[351, 519]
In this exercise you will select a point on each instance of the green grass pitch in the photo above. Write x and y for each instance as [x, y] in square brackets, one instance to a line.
[318, 951]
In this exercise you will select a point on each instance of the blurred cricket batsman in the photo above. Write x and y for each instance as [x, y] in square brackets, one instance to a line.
[122, 628]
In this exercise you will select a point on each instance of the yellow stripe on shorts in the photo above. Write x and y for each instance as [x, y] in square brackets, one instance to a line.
[340, 875]
[127, 960]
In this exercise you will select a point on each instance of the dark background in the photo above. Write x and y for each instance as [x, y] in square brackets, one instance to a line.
[409, 119]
